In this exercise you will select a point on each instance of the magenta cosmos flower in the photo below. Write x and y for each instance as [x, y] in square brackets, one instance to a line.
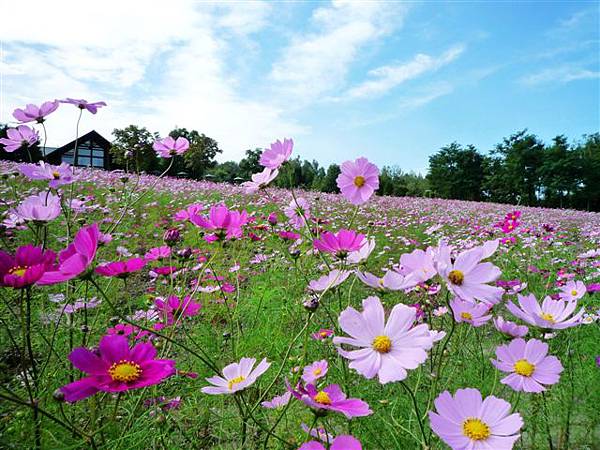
[84, 104]
[510, 328]
[175, 309]
[33, 113]
[386, 350]
[156, 253]
[340, 243]
[573, 290]
[331, 398]
[466, 422]
[329, 281]
[260, 180]
[168, 147]
[26, 267]
[279, 153]
[20, 137]
[226, 224]
[121, 269]
[358, 180]
[552, 314]
[56, 175]
[76, 258]
[475, 314]
[116, 368]
[236, 377]
[298, 212]
[342, 442]
[42, 207]
[528, 365]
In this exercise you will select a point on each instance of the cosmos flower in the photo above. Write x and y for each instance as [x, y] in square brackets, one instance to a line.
[391, 281]
[331, 398]
[298, 212]
[157, 253]
[278, 401]
[84, 104]
[465, 421]
[358, 180]
[363, 253]
[42, 207]
[418, 265]
[236, 377]
[187, 213]
[175, 309]
[26, 267]
[318, 432]
[20, 137]
[288, 235]
[314, 371]
[329, 281]
[386, 350]
[279, 153]
[342, 442]
[475, 314]
[168, 147]
[510, 328]
[322, 334]
[552, 314]
[121, 269]
[573, 290]
[33, 113]
[527, 363]
[340, 243]
[260, 180]
[56, 175]
[116, 368]
[225, 224]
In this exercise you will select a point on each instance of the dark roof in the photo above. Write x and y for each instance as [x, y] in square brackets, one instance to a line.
[94, 135]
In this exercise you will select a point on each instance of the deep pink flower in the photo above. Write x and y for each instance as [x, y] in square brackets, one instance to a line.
[188, 212]
[342, 442]
[236, 377]
[116, 368]
[279, 153]
[76, 258]
[225, 223]
[156, 253]
[260, 180]
[298, 212]
[84, 104]
[340, 243]
[322, 334]
[33, 113]
[465, 421]
[168, 147]
[20, 137]
[331, 398]
[121, 269]
[42, 207]
[56, 175]
[552, 314]
[510, 328]
[25, 268]
[358, 180]
[527, 363]
[475, 314]
[288, 235]
[122, 329]
[175, 309]
[363, 253]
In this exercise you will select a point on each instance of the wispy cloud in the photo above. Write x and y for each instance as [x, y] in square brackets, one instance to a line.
[561, 74]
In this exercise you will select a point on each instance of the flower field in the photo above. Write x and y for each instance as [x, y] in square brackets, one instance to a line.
[142, 311]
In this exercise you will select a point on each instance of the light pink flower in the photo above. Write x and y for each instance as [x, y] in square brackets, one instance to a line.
[510, 328]
[279, 153]
[20, 137]
[363, 253]
[342, 442]
[358, 180]
[573, 290]
[42, 207]
[315, 371]
[331, 398]
[236, 377]
[329, 281]
[278, 401]
[168, 147]
[298, 212]
[260, 180]
[418, 265]
[33, 113]
[391, 281]
[552, 314]
[475, 314]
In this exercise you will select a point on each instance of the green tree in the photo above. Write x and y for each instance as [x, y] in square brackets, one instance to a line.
[250, 163]
[138, 141]
[329, 183]
[588, 191]
[457, 172]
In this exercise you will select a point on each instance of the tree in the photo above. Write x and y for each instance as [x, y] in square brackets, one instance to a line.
[330, 181]
[199, 157]
[250, 164]
[588, 192]
[457, 172]
[139, 142]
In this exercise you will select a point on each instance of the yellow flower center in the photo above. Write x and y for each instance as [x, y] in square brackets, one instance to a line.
[125, 371]
[322, 398]
[382, 344]
[359, 181]
[323, 333]
[456, 277]
[18, 271]
[466, 315]
[56, 175]
[573, 292]
[524, 367]
[381, 282]
[548, 317]
[317, 371]
[234, 381]
[476, 429]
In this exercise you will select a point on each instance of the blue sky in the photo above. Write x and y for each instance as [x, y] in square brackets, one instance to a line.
[392, 81]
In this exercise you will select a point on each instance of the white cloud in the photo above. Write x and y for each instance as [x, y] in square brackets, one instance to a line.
[560, 74]
[385, 78]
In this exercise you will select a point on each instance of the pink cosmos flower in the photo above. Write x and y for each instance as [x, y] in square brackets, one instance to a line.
[56, 175]
[363, 253]
[510, 328]
[573, 290]
[473, 314]
[84, 104]
[315, 371]
[20, 137]
[552, 314]
[528, 364]
[340, 243]
[418, 265]
[121, 269]
[187, 213]
[330, 398]
[329, 281]
[156, 253]
[76, 258]
[279, 153]
[176, 309]
[318, 432]
[466, 277]
[42, 207]
[25, 268]
[391, 281]
[225, 223]
[298, 212]
[288, 235]
[358, 180]
[168, 147]
[260, 180]
[322, 334]
[236, 377]
[122, 329]
[278, 401]
[342, 442]
[116, 368]
[386, 350]
[33, 113]
[465, 421]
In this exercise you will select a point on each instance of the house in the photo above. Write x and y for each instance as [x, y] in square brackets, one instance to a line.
[92, 151]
